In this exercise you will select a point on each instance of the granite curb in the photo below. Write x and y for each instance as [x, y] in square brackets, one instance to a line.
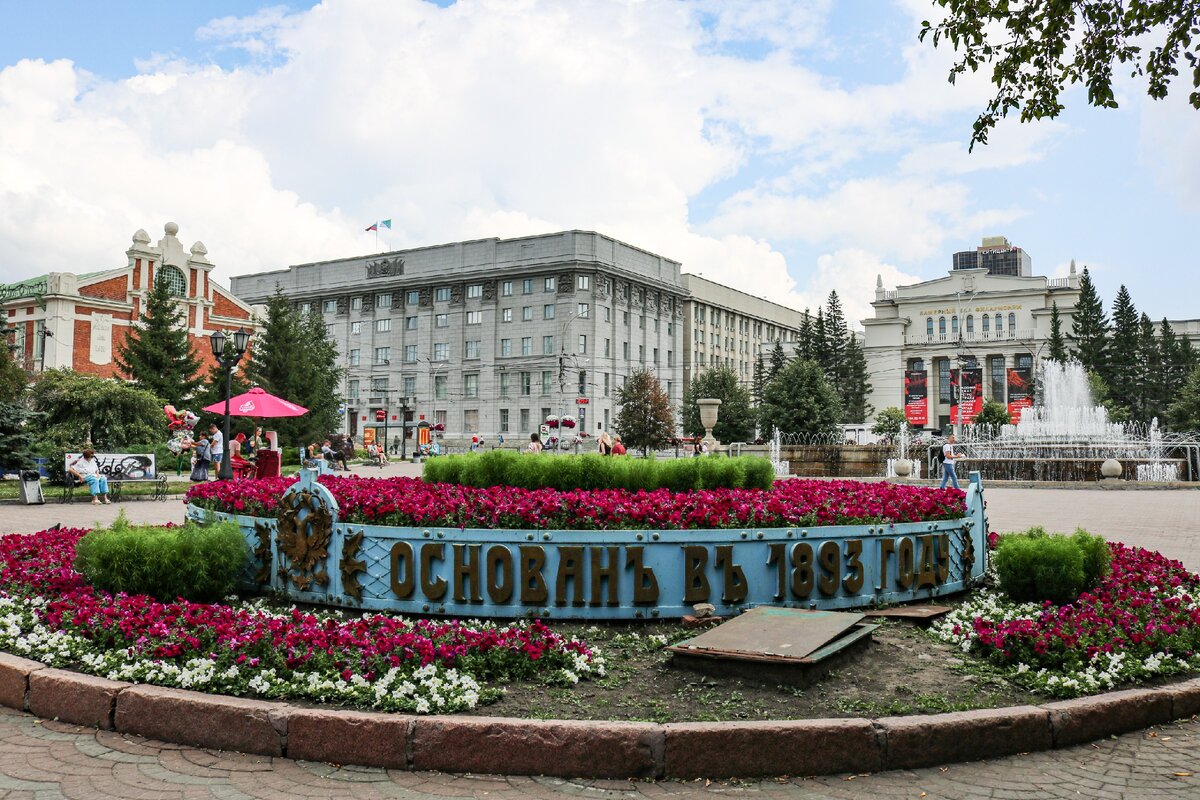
[582, 749]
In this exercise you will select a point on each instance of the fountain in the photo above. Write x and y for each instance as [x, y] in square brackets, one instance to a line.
[1067, 437]
[782, 468]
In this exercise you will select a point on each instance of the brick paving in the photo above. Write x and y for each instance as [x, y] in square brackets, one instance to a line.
[46, 759]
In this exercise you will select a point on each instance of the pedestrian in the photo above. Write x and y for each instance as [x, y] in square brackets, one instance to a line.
[535, 443]
[87, 470]
[216, 444]
[697, 450]
[949, 458]
[606, 444]
[618, 449]
[201, 459]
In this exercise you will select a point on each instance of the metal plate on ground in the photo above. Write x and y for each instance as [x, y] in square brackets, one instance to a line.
[916, 613]
[779, 635]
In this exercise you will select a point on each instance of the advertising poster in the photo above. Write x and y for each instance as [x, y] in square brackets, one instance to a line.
[1020, 391]
[916, 397]
[971, 400]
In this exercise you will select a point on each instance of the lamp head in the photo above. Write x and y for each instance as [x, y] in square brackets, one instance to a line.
[217, 340]
[241, 338]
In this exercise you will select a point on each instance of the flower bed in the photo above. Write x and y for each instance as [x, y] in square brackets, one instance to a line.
[1142, 621]
[410, 502]
[47, 612]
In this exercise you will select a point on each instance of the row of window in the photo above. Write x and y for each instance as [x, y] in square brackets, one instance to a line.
[970, 324]
[441, 294]
[549, 311]
[472, 348]
[712, 316]
[521, 381]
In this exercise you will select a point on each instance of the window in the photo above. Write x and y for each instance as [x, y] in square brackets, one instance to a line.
[410, 387]
[505, 384]
[412, 298]
[383, 300]
[526, 345]
[954, 325]
[527, 286]
[929, 326]
[470, 386]
[383, 325]
[471, 348]
[410, 323]
[548, 311]
[582, 343]
[642, 323]
[996, 369]
[506, 315]
[439, 417]
[474, 317]
[524, 419]
[607, 314]
[607, 348]
[506, 347]
[354, 357]
[379, 385]
[176, 283]
[410, 353]
[607, 376]
[441, 320]
[441, 351]
[641, 354]
[625, 350]
[999, 323]
[970, 324]
[656, 355]
[583, 310]
[941, 326]
[656, 325]
[352, 390]
[474, 291]
[527, 313]
[547, 382]
[305, 308]
[716, 317]
[441, 385]
[916, 365]
[506, 289]
[943, 367]
[583, 282]
[504, 420]
[356, 304]
[355, 328]
[547, 345]
[1012, 325]
[670, 329]
[548, 284]
[545, 412]
[329, 306]
[987, 323]
[526, 380]
[442, 294]
[1025, 360]
[670, 358]
[383, 355]
[582, 382]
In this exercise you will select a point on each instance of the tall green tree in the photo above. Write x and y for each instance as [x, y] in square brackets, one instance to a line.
[1122, 370]
[1173, 373]
[820, 348]
[1150, 400]
[735, 420]
[644, 419]
[856, 383]
[1057, 342]
[1089, 327]
[805, 343]
[157, 353]
[760, 379]
[293, 357]
[778, 361]
[800, 400]
[1184, 413]
[1034, 51]
[836, 334]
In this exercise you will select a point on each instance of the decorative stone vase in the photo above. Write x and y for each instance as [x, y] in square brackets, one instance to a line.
[709, 408]
[1111, 468]
[903, 468]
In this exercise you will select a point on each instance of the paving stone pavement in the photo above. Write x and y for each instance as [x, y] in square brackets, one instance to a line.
[48, 760]
[52, 760]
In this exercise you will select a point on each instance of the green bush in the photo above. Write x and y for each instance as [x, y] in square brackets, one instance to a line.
[593, 471]
[196, 562]
[1035, 566]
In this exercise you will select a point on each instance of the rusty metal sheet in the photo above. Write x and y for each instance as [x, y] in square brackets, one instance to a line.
[767, 633]
[910, 612]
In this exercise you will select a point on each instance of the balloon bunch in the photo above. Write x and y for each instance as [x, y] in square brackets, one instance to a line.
[180, 424]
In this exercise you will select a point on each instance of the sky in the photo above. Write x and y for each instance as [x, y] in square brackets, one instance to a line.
[786, 148]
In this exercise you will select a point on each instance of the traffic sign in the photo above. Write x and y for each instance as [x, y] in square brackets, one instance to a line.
[581, 401]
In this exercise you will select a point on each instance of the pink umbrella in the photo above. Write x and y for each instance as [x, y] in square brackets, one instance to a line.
[257, 403]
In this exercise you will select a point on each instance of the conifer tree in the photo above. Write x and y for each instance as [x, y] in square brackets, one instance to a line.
[805, 346]
[1121, 372]
[820, 349]
[1149, 401]
[835, 344]
[800, 400]
[157, 353]
[1089, 327]
[1174, 371]
[778, 361]
[1056, 342]
[760, 379]
[854, 396]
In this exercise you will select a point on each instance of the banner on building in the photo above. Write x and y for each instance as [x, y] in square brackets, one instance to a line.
[916, 397]
[967, 395]
[1020, 391]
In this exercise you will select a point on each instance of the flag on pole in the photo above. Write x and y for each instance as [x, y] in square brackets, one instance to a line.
[387, 223]
[374, 227]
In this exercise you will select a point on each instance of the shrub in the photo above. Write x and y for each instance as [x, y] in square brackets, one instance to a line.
[1035, 566]
[593, 471]
[196, 562]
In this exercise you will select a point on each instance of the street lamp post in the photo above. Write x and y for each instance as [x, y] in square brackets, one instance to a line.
[241, 338]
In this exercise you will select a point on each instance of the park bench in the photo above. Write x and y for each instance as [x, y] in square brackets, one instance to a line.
[120, 469]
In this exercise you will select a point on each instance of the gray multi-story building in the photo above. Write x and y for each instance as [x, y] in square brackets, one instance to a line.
[489, 337]
[998, 256]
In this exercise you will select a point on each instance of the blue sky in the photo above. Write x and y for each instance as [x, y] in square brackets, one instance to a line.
[797, 147]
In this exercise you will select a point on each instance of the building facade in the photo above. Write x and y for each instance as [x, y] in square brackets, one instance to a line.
[79, 322]
[727, 327]
[490, 337]
[998, 256]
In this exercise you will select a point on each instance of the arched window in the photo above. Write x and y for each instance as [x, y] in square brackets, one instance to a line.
[987, 323]
[954, 325]
[999, 324]
[176, 284]
[1012, 324]
[929, 326]
[942, 325]
[970, 323]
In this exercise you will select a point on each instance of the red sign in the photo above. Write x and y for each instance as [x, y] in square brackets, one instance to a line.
[916, 397]
[380, 416]
[971, 398]
[1020, 392]
[581, 401]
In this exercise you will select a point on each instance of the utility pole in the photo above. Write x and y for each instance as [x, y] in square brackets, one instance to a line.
[959, 326]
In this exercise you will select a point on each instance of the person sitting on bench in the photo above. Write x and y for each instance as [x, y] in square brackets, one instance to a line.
[87, 471]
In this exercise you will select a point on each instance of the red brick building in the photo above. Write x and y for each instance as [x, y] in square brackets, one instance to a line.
[79, 321]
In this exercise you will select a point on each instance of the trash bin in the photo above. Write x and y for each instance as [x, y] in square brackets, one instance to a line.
[31, 488]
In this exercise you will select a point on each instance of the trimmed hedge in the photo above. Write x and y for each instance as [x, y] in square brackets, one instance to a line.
[593, 471]
[201, 563]
[1035, 566]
